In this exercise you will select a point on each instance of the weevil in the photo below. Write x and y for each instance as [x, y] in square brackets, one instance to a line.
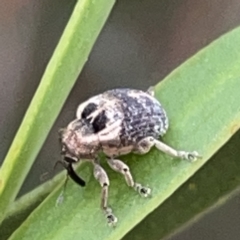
[116, 122]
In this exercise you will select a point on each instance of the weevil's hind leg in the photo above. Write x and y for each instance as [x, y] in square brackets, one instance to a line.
[147, 143]
[150, 91]
[101, 176]
[189, 156]
[121, 167]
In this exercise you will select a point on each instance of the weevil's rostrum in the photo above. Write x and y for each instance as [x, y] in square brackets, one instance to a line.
[116, 122]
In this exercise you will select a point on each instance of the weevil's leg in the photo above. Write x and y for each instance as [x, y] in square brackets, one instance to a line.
[102, 178]
[189, 156]
[147, 143]
[144, 145]
[121, 167]
[150, 91]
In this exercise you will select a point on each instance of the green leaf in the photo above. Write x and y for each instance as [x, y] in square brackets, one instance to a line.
[202, 99]
[209, 188]
[68, 59]
[21, 208]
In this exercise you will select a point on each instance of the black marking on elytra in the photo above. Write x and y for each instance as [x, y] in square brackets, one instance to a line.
[99, 122]
[91, 107]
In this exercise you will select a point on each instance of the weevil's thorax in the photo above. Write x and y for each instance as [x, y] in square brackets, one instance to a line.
[79, 141]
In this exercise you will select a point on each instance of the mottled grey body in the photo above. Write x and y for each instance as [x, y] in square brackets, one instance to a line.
[116, 122]
[120, 119]
[143, 116]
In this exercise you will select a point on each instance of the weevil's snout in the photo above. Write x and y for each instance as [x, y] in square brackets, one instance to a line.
[66, 138]
[68, 145]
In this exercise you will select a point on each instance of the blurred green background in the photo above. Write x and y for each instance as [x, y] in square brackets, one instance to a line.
[141, 43]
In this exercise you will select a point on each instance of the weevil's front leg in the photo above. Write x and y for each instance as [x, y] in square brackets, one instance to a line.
[102, 178]
[147, 143]
[122, 168]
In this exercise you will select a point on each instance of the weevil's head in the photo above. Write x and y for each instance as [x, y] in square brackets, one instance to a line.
[78, 141]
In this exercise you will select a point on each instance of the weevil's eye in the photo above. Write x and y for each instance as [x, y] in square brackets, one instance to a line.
[100, 121]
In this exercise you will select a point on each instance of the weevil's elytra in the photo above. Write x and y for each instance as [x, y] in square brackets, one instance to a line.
[116, 123]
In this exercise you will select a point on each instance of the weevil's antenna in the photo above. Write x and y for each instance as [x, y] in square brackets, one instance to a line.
[45, 175]
[71, 173]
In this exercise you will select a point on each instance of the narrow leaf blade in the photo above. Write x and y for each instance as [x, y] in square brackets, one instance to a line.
[61, 73]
